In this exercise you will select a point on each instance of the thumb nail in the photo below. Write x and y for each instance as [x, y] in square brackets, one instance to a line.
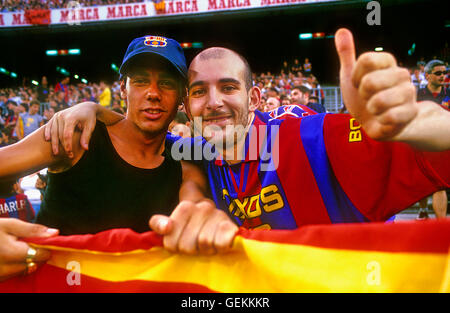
[162, 224]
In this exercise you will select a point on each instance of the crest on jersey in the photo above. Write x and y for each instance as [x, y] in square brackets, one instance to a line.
[287, 110]
[155, 41]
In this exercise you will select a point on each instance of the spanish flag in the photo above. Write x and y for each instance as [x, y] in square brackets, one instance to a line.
[402, 257]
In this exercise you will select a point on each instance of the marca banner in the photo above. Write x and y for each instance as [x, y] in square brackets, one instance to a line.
[75, 14]
[372, 257]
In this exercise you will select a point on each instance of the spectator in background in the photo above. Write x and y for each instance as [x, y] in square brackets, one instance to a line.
[105, 95]
[4, 138]
[3, 101]
[43, 90]
[86, 95]
[435, 91]
[421, 65]
[48, 114]
[116, 107]
[262, 103]
[41, 184]
[14, 97]
[285, 100]
[63, 87]
[181, 130]
[271, 104]
[8, 112]
[285, 68]
[296, 67]
[307, 66]
[316, 90]
[10, 118]
[60, 102]
[30, 121]
[74, 96]
[417, 78]
[180, 125]
[13, 202]
[300, 97]
[309, 81]
[272, 92]
[313, 99]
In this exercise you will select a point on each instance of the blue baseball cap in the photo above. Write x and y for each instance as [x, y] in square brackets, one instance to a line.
[156, 45]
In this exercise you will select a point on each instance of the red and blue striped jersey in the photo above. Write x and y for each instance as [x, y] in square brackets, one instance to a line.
[17, 206]
[321, 169]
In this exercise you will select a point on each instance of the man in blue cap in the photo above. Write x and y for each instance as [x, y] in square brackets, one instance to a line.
[127, 176]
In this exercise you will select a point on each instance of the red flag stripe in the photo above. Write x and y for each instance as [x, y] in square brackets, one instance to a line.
[58, 280]
[429, 236]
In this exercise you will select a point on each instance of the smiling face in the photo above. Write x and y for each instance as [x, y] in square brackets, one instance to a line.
[219, 94]
[153, 96]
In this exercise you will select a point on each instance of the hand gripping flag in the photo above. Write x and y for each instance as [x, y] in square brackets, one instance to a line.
[372, 257]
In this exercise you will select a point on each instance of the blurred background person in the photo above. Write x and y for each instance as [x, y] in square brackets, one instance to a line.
[271, 104]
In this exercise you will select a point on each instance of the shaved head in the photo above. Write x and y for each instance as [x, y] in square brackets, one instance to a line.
[221, 53]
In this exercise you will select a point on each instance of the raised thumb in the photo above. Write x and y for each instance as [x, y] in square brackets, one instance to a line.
[345, 48]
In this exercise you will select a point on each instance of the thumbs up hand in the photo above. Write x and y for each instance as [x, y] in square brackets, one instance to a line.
[376, 92]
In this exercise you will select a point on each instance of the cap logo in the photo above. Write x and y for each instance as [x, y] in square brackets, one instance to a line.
[155, 41]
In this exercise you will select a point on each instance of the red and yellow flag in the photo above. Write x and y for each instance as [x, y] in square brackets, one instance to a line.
[373, 257]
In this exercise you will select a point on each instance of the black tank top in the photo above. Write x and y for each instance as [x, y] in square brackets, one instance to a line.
[102, 191]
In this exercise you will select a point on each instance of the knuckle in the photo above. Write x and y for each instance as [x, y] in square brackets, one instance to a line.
[377, 103]
[410, 89]
[169, 244]
[368, 84]
[403, 74]
[184, 207]
[225, 226]
[388, 57]
[390, 117]
[366, 58]
[204, 241]
[186, 247]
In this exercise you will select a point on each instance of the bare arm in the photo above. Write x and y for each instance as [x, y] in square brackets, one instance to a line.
[430, 130]
[27, 156]
[194, 186]
[13, 252]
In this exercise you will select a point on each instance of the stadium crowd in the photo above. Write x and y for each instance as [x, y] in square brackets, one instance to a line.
[277, 89]
[22, 5]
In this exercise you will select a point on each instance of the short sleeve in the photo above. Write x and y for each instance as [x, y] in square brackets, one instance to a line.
[381, 178]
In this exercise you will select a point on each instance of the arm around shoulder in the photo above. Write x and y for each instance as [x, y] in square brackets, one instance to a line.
[194, 185]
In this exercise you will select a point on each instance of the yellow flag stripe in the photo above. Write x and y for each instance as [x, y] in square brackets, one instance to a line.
[256, 266]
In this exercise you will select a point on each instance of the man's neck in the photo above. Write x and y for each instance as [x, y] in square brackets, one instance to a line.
[434, 88]
[138, 148]
[235, 154]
